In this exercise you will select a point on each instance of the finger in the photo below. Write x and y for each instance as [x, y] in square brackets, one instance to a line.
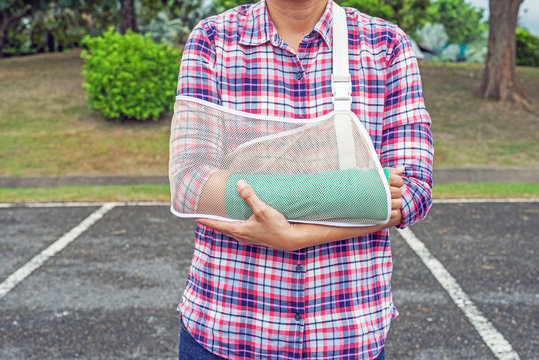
[396, 170]
[395, 180]
[205, 222]
[396, 192]
[248, 194]
[396, 204]
[221, 226]
[396, 217]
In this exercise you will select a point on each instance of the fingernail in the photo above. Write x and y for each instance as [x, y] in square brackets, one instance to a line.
[241, 184]
[400, 168]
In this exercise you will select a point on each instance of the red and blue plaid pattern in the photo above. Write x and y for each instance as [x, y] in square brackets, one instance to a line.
[331, 301]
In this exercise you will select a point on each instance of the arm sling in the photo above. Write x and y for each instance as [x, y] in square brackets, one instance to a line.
[323, 170]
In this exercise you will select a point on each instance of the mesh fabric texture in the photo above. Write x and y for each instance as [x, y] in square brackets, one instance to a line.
[310, 170]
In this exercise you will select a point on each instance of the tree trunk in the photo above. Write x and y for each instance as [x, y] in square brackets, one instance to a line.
[499, 79]
[129, 20]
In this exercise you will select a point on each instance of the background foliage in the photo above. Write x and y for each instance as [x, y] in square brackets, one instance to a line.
[408, 14]
[48, 26]
[129, 76]
[124, 72]
[461, 21]
[34, 26]
[527, 48]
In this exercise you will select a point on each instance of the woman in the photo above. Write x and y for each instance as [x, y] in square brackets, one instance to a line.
[265, 288]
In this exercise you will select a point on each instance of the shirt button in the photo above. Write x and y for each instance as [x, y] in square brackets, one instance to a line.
[299, 268]
[297, 317]
[299, 75]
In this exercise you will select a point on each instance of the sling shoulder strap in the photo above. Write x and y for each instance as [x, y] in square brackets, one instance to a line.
[341, 83]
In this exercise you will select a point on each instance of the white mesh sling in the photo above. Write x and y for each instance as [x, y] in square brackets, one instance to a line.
[323, 170]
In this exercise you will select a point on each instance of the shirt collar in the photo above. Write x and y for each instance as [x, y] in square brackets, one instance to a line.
[258, 27]
[323, 26]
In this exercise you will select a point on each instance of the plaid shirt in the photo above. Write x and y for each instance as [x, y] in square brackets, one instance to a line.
[331, 301]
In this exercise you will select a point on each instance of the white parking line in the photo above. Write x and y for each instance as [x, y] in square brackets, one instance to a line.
[24, 271]
[82, 204]
[485, 200]
[501, 348]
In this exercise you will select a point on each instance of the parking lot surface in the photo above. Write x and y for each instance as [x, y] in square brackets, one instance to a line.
[111, 291]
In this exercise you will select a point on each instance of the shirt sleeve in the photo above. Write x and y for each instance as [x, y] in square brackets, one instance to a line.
[197, 76]
[406, 137]
[195, 142]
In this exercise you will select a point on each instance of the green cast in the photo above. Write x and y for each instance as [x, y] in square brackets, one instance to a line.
[354, 195]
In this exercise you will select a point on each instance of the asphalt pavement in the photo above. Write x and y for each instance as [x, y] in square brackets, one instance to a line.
[112, 292]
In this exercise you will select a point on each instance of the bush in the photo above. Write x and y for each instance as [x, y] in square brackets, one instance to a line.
[129, 76]
[527, 48]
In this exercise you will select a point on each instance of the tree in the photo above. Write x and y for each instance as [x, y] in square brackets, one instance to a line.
[222, 5]
[54, 20]
[11, 13]
[370, 7]
[408, 14]
[462, 22]
[51, 25]
[499, 79]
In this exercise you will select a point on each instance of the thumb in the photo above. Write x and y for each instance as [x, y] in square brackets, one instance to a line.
[248, 194]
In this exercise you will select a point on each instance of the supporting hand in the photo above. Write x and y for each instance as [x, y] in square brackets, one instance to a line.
[268, 227]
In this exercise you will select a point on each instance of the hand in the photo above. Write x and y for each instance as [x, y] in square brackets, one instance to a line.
[266, 226]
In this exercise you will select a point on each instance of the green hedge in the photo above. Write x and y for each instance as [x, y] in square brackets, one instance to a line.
[129, 76]
[527, 48]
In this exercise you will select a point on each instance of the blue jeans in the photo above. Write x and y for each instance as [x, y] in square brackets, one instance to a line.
[190, 349]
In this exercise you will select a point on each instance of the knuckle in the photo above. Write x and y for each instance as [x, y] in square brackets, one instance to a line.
[235, 231]
[261, 211]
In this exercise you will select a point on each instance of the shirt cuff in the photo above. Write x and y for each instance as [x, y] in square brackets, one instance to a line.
[416, 201]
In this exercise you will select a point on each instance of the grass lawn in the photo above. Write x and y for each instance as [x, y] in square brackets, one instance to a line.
[87, 193]
[46, 127]
[470, 131]
[162, 192]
